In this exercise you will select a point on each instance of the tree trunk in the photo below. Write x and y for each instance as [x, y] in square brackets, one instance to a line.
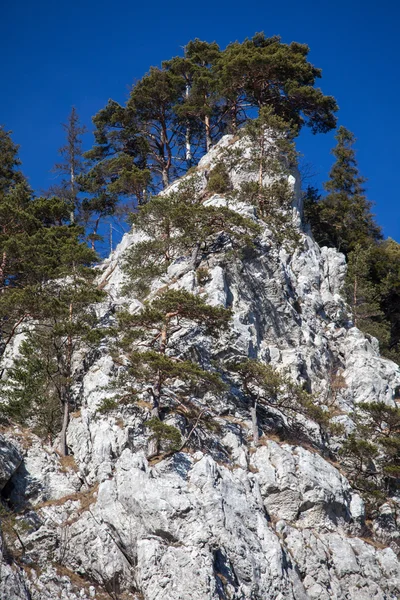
[153, 448]
[187, 134]
[63, 434]
[234, 122]
[355, 300]
[208, 133]
[195, 258]
[254, 422]
[66, 391]
[261, 166]
[165, 163]
[188, 147]
[164, 338]
[96, 226]
[165, 178]
[3, 270]
[72, 213]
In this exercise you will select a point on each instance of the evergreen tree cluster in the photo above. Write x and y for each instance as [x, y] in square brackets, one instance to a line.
[343, 219]
[371, 454]
[176, 112]
[46, 289]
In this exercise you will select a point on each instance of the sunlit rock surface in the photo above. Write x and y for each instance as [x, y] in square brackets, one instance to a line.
[228, 522]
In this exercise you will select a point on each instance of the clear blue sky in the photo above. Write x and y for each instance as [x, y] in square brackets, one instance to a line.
[58, 54]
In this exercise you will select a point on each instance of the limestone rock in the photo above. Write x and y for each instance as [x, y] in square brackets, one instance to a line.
[221, 520]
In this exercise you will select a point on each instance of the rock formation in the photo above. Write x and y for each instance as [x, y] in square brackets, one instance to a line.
[220, 519]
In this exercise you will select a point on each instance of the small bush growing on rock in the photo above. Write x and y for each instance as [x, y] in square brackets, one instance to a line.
[371, 454]
[202, 275]
[264, 386]
[166, 436]
[107, 405]
[218, 181]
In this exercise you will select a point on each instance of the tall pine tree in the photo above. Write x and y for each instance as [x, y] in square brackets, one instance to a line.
[152, 100]
[266, 72]
[72, 161]
[343, 218]
[116, 180]
[38, 387]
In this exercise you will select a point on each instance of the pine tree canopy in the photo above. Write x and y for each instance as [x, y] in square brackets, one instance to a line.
[10, 176]
[152, 362]
[265, 72]
[176, 225]
[169, 310]
[175, 113]
[343, 217]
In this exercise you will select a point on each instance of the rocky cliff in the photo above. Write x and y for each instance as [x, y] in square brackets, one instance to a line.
[220, 519]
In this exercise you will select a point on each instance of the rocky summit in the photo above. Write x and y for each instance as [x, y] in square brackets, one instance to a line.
[220, 517]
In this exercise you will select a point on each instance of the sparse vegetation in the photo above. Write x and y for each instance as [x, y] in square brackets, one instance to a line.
[218, 180]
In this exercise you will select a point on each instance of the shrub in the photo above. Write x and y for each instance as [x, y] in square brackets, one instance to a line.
[218, 181]
[166, 436]
[107, 405]
[202, 275]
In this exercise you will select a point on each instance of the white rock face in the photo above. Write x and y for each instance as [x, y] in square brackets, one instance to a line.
[279, 522]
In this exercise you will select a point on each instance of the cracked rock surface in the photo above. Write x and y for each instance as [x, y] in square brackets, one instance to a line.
[226, 521]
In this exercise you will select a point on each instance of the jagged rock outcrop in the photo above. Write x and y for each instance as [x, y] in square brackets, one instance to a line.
[224, 520]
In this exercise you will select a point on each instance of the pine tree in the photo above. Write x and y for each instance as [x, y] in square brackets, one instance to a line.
[150, 357]
[200, 103]
[152, 100]
[344, 215]
[179, 225]
[29, 228]
[117, 179]
[35, 242]
[38, 388]
[385, 276]
[72, 163]
[264, 387]
[46, 288]
[362, 294]
[265, 72]
[10, 176]
[271, 156]
[371, 453]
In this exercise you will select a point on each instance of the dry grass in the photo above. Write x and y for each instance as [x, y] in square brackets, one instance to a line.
[232, 419]
[144, 404]
[23, 435]
[270, 437]
[75, 579]
[82, 583]
[371, 542]
[86, 499]
[253, 469]
[67, 463]
[338, 382]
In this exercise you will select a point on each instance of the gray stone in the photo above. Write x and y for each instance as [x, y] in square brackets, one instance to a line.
[278, 522]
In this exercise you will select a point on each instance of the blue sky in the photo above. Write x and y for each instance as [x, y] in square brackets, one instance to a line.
[59, 54]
